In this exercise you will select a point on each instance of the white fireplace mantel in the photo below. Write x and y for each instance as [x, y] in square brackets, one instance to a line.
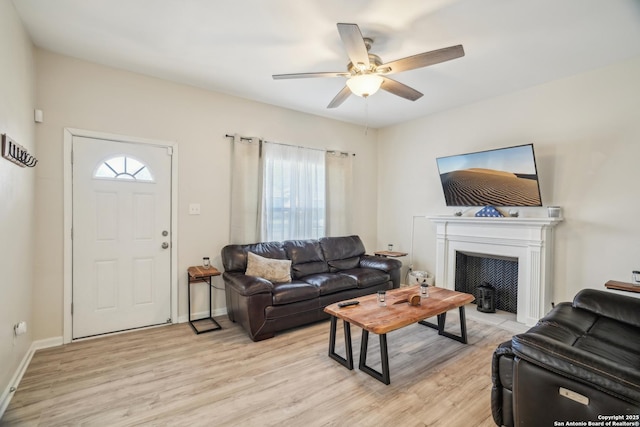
[529, 240]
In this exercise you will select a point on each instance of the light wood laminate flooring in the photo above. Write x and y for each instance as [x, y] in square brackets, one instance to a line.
[170, 376]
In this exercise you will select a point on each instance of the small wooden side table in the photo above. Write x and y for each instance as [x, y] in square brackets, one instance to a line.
[622, 286]
[200, 274]
[391, 254]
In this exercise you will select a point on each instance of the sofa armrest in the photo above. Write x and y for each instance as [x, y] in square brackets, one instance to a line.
[379, 263]
[502, 389]
[619, 307]
[578, 364]
[247, 285]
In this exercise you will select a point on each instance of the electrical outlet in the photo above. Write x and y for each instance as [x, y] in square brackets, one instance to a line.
[194, 209]
[20, 328]
[635, 276]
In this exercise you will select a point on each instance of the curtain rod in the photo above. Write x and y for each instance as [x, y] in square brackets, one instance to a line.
[260, 140]
[243, 138]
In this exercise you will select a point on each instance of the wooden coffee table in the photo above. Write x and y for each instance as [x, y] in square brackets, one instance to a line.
[397, 314]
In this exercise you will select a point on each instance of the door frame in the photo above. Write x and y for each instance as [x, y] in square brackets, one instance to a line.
[69, 133]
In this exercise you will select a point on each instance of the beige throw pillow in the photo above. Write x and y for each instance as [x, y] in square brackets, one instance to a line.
[274, 270]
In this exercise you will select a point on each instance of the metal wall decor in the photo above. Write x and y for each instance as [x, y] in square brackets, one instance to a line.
[16, 153]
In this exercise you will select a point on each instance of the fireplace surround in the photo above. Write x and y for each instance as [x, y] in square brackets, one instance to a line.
[529, 240]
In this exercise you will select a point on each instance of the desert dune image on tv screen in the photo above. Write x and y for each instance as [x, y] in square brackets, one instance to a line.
[505, 177]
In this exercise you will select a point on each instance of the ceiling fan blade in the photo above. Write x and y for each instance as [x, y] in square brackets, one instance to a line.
[340, 97]
[354, 44]
[308, 75]
[423, 59]
[400, 89]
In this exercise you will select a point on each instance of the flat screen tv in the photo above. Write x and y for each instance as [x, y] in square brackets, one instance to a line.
[502, 177]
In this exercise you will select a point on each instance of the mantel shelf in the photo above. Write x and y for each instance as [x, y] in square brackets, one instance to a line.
[506, 220]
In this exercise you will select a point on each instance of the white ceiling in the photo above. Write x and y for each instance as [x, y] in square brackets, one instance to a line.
[234, 46]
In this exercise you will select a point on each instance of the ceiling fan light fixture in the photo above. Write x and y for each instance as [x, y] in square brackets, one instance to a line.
[364, 84]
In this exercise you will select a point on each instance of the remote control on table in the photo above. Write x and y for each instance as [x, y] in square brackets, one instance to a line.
[348, 303]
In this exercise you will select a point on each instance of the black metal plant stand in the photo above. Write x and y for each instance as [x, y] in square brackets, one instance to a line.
[205, 275]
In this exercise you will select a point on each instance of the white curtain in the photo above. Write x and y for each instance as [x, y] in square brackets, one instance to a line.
[292, 204]
[288, 192]
[339, 170]
[245, 176]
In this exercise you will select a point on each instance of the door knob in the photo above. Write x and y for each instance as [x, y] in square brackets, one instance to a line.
[165, 245]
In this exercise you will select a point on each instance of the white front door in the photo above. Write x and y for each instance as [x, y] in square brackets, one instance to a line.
[121, 236]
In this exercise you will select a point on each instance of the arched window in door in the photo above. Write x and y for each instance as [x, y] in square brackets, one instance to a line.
[124, 168]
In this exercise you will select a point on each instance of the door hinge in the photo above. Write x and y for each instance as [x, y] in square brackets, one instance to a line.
[71, 308]
[71, 233]
[170, 151]
[71, 156]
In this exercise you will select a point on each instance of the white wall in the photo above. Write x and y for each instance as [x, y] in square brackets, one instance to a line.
[586, 134]
[78, 94]
[17, 96]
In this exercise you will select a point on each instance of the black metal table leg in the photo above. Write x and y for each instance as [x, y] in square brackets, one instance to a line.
[348, 361]
[441, 322]
[463, 326]
[189, 302]
[213, 324]
[383, 376]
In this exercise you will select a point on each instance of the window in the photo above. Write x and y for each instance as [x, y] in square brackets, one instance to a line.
[281, 192]
[293, 193]
[123, 168]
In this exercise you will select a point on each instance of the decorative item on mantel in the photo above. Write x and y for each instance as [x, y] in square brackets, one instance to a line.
[16, 153]
[554, 211]
[489, 211]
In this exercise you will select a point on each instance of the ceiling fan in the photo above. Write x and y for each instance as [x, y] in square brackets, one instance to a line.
[366, 73]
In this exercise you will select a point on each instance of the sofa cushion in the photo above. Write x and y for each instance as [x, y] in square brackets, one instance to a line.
[575, 320]
[618, 334]
[366, 277]
[329, 283]
[306, 257]
[609, 304]
[274, 270]
[337, 249]
[343, 264]
[286, 293]
[234, 257]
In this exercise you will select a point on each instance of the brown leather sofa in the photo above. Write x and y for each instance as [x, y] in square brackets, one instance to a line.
[323, 271]
[580, 363]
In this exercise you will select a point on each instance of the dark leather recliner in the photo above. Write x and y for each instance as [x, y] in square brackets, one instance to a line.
[580, 363]
[323, 271]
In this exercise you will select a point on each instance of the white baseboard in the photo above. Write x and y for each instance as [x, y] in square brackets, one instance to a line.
[47, 343]
[7, 394]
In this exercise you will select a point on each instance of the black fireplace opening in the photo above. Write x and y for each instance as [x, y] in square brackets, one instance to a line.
[486, 277]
